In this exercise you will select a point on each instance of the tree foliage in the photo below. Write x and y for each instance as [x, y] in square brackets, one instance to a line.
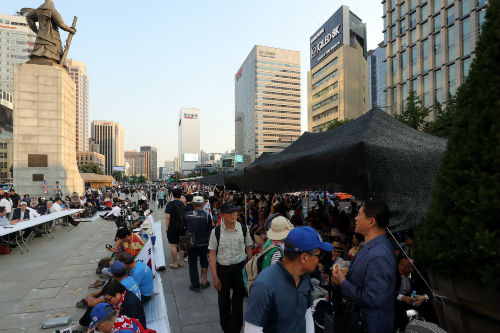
[460, 235]
[117, 175]
[441, 126]
[337, 123]
[414, 113]
[90, 167]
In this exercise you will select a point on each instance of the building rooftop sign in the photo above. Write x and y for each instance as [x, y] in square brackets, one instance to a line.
[327, 38]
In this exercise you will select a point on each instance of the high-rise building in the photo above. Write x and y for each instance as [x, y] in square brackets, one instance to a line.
[189, 139]
[153, 161]
[376, 77]
[6, 155]
[78, 72]
[267, 102]
[429, 47]
[138, 163]
[16, 43]
[338, 80]
[6, 108]
[109, 136]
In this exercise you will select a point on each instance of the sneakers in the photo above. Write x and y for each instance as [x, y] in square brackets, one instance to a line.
[174, 266]
[205, 285]
[194, 289]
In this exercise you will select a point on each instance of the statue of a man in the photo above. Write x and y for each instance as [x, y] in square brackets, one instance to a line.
[48, 48]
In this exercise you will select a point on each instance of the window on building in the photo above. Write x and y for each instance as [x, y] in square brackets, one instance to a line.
[425, 95]
[404, 92]
[451, 43]
[438, 86]
[481, 3]
[425, 29]
[449, 2]
[394, 70]
[403, 42]
[402, 26]
[402, 9]
[482, 19]
[466, 36]
[466, 66]
[393, 48]
[437, 49]
[436, 6]
[413, 35]
[450, 18]
[413, 54]
[437, 22]
[413, 4]
[413, 20]
[393, 17]
[393, 33]
[425, 55]
[425, 12]
[465, 7]
[393, 4]
[403, 65]
[452, 85]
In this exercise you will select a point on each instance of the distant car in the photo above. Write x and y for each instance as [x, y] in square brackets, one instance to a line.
[5, 187]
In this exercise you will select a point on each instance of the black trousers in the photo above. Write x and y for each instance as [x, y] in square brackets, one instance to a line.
[231, 306]
[193, 254]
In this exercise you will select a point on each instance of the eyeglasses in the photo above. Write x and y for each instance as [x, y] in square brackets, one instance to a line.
[314, 254]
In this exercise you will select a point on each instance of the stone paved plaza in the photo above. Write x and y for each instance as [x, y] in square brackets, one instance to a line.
[48, 280]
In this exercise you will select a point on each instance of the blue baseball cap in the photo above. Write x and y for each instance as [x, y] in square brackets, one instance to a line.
[306, 239]
[117, 267]
[99, 312]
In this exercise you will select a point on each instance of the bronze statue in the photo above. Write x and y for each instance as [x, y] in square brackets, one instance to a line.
[48, 49]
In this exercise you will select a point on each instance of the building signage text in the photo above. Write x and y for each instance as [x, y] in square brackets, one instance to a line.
[190, 115]
[267, 54]
[238, 75]
[327, 39]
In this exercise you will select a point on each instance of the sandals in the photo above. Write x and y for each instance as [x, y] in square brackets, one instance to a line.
[96, 285]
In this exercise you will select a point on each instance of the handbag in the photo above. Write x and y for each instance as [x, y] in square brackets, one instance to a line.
[187, 241]
[347, 317]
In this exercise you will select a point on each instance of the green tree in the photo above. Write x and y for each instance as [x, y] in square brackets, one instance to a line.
[441, 126]
[141, 179]
[414, 113]
[11, 170]
[90, 167]
[460, 235]
[337, 123]
[117, 175]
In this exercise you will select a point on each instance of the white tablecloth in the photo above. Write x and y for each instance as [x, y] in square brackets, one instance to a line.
[5, 230]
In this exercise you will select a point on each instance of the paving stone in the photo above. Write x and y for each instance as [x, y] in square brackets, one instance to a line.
[52, 283]
[43, 293]
[197, 315]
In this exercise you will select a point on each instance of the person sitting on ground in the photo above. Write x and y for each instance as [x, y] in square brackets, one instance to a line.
[107, 320]
[141, 273]
[147, 224]
[119, 273]
[114, 213]
[131, 242]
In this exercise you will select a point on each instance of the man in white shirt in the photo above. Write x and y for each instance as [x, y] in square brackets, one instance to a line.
[113, 213]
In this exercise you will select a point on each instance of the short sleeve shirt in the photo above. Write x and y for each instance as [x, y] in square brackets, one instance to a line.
[143, 277]
[135, 245]
[231, 249]
[276, 304]
[174, 208]
[131, 286]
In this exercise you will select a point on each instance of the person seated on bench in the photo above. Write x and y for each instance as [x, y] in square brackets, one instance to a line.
[22, 214]
[125, 302]
[41, 208]
[114, 213]
[131, 242]
[141, 273]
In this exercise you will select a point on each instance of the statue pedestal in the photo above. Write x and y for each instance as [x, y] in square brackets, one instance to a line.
[44, 120]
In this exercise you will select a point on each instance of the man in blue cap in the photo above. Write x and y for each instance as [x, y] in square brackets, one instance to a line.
[281, 294]
[106, 320]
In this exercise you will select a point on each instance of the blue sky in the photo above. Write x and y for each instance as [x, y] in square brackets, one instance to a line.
[147, 59]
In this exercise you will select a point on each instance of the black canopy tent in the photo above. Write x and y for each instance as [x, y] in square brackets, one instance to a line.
[217, 179]
[374, 156]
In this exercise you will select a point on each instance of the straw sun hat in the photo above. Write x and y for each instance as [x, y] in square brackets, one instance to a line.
[280, 227]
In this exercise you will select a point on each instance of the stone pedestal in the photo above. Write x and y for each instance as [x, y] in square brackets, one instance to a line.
[44, 131]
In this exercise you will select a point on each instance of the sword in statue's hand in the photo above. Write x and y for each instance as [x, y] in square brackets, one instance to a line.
[68, 43]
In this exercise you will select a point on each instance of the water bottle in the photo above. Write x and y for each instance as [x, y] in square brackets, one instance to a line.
[413, 294]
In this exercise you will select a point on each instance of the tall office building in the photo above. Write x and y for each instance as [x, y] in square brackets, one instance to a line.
[152, 161]
[429, 47]
[16, 43]
[189, 139]
[109, 136]
[78, 72]
[138, 163]
[267, 102]
[376, 77]
[338, 80]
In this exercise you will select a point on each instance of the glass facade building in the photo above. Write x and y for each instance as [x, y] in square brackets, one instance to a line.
[267, 102]
[109, 136]
[78, 72]
[429, 47]
[16, 43]
[153, 161]
[376, 77]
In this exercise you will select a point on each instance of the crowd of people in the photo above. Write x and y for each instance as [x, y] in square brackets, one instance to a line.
[298, 257]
